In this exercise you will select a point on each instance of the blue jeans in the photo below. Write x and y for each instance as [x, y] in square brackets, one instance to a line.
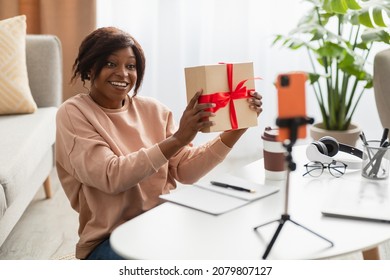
[104, 252]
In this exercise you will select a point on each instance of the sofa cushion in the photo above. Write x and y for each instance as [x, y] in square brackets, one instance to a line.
[15, 93]
[44, 56]
[28, 138]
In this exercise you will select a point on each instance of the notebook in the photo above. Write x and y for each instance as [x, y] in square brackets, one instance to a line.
[204, 200]
[364, 200]
[214, 200]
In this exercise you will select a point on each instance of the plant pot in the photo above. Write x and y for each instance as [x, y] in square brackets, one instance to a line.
[349, 136]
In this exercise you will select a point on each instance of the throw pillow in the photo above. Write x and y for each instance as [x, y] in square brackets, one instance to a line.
[15, 93]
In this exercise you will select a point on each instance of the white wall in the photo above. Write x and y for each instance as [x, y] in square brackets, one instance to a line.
[179, 33]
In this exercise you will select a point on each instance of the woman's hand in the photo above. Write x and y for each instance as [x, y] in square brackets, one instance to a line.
[229, 138]
[195, 118]
[255, 102]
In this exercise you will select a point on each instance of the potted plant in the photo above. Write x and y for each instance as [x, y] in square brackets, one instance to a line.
[339, 36]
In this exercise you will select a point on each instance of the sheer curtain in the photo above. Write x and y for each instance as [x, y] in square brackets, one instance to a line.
[180, 33]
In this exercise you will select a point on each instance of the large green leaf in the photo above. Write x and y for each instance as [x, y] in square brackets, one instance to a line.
[318, 34]
[313, 77]
[370, 83]
[339, 6]
[289, 42]
[327, 6]
[347, 61]
[376, 35]
[353, 5]
[377, 15]
[362, 46]
[335, 6]
[356, 71]
[331, 50]
[365, 19]
[372, 11]
[353, 19]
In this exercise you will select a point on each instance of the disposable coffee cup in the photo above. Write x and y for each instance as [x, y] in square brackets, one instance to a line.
[274, 155]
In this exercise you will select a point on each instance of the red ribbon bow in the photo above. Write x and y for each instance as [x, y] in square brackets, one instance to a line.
[221, 99]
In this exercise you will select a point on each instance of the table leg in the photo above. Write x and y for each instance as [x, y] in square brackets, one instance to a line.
[371, 254]
[47, 187]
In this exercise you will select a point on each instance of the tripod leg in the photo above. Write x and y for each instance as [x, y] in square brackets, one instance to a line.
[267, 223]
[320, 236]
[276, 234]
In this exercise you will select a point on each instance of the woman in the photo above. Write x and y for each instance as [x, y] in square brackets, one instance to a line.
[116, 152]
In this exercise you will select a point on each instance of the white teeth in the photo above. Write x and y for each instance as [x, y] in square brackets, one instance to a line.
[119, 84]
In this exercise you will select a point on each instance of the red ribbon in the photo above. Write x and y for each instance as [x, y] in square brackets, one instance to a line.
[221, 99]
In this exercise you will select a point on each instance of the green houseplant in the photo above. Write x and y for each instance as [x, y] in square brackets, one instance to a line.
[338, 36]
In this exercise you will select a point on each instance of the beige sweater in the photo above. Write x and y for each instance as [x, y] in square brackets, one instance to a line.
[111, 167]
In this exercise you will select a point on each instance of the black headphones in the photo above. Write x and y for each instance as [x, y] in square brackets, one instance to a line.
[327, 147]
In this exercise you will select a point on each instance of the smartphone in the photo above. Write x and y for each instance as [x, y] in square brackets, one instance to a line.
[291, 101]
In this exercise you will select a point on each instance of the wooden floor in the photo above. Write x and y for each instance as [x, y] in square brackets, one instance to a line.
[48, 229]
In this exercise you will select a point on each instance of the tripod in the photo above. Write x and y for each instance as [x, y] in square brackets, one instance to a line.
[293, 125]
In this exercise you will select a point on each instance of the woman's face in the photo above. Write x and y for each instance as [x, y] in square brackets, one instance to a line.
[116, 79]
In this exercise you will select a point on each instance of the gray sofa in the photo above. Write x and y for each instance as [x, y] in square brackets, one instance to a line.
[27, 140]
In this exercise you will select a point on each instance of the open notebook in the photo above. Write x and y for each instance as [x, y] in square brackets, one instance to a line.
[215, 200]
[367, 200]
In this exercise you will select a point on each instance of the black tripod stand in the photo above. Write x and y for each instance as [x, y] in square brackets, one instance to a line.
[293, 125]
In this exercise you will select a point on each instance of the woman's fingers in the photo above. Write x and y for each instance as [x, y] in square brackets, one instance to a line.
[194, 107]
[255, 102]
[203, 107]
[194, 100]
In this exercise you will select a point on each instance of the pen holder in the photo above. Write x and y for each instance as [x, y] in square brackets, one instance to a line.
[376, 161]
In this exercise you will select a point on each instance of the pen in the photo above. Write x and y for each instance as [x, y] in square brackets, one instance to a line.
[363, 137]
[384, 136]
[223, 185]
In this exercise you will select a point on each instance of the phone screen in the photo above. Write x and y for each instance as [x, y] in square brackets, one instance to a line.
[291, 101]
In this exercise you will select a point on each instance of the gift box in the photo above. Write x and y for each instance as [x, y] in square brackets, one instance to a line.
[228, 86]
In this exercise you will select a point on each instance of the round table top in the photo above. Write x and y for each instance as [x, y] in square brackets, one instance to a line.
[172, 231]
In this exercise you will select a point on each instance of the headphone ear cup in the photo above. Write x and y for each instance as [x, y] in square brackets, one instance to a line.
[332, 145]
[321, 147]
[317, 151]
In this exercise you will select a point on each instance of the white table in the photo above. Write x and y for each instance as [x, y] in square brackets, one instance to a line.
[171, 231]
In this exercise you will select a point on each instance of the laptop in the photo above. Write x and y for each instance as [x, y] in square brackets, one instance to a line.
[363, 200]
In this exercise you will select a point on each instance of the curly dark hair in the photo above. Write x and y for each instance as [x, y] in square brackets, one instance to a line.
[101, 43]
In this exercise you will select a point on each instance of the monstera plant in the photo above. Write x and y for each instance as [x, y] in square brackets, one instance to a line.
[338, 36]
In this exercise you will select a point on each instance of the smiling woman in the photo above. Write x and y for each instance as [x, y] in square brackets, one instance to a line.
[116, 152]
[119, 65]
[117, 77]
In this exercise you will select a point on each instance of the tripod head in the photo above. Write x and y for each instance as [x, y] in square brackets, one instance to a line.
[292, 124]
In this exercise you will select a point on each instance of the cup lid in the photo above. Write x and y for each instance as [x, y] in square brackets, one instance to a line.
[270, 133]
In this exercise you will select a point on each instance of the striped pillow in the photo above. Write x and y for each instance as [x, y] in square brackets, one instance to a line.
[15, 93]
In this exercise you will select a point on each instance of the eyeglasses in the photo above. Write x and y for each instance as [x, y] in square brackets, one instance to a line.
[335, 168]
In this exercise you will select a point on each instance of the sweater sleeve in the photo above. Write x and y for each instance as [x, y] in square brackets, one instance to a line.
[192, 163]
[85, 155]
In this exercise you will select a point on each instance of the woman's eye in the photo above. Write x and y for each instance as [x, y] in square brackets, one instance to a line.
[131, 66]
[110, 64]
